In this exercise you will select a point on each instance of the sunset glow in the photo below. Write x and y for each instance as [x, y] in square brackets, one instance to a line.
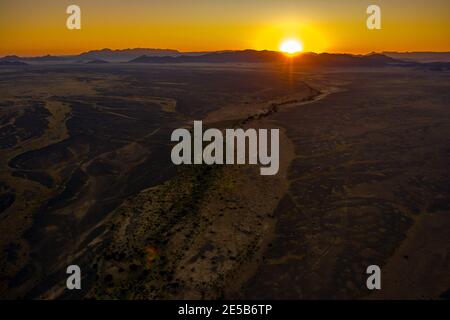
[291, 46]
[211, 25]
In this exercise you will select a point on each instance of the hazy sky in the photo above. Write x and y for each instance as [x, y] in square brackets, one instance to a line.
[39, 27]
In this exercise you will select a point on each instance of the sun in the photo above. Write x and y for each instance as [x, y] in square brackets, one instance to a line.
[291, 46]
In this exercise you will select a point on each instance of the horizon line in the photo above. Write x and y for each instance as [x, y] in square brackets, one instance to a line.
[209, 51]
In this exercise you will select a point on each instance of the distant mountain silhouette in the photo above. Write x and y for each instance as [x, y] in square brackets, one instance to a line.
[215, 57]
[149, 55]
[347, 60]
[97, 61]
[420, 56]
[11, 58]
[12, 63]
[253, 56]
[436, 66]
[47, 58]
[125, 54]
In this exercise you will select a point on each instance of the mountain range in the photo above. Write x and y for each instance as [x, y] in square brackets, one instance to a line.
[423, 56]
[146, 55]
[252, 56]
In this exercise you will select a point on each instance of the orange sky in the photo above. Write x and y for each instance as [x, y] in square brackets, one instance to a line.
[39, 27]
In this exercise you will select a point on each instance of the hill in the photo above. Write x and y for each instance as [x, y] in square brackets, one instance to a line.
[12, 63]
[253, 56]
[125, 54]
[97, 61]
[420, 56]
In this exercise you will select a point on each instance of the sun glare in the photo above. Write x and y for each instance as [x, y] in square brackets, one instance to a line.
[291, 46]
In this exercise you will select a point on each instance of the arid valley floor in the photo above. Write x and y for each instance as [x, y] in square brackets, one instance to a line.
[86, 178]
